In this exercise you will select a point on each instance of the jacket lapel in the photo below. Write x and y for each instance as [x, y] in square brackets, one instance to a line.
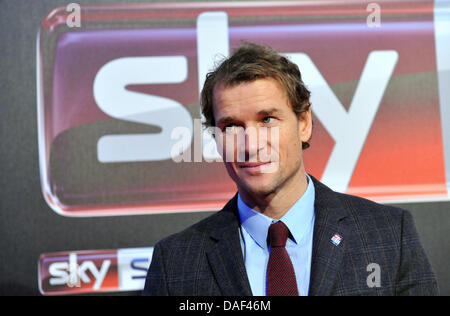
[327, 256]
[224, 253]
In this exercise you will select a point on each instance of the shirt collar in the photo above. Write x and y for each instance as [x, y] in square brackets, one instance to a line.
[298, 219]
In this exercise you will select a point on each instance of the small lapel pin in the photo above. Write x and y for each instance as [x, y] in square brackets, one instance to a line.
[336, 239]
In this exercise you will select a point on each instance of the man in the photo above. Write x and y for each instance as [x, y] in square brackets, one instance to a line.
[284, 232]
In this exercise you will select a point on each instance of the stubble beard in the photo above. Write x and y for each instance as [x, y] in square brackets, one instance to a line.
[277, 183]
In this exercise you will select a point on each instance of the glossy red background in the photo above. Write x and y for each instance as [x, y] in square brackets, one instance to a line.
[402, 158]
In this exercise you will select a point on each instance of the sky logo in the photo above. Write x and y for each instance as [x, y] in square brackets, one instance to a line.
[94, 271]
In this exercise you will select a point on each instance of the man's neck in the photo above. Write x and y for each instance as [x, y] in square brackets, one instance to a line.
[276, 204]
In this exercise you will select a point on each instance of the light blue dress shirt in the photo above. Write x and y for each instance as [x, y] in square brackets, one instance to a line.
[254, 229]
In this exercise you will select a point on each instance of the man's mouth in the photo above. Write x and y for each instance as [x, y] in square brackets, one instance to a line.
[255, 167]
[249, 165]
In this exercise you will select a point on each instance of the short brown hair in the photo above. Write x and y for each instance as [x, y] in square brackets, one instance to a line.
[251, 62]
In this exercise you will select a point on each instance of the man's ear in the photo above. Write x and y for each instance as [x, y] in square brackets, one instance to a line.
[305, 125]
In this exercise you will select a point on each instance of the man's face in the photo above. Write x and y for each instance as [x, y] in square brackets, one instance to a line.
[270, 158]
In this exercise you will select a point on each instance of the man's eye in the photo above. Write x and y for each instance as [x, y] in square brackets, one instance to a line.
[268, 119]
[230, 128]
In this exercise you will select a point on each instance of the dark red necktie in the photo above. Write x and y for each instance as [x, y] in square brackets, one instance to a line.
[281, 279]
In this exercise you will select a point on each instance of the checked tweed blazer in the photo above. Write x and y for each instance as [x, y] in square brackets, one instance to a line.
[206, 258]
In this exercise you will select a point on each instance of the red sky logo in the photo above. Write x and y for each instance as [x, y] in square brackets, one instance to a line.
[94, 271]
[66, 273]
[110, 94]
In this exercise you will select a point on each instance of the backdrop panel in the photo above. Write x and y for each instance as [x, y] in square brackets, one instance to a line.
[88, 112]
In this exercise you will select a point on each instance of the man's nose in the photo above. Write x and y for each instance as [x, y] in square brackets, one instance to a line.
[254, 142]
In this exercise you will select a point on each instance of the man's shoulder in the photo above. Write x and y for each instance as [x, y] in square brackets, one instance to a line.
[377, 222]
[197, 231]
[372, 218]
[362, 207]
[380, 228]
[204, 229]
[357, 207]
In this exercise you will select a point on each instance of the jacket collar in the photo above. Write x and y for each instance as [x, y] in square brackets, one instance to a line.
[225, 255]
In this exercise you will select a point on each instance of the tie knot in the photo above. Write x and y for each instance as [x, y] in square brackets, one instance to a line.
[278, 234]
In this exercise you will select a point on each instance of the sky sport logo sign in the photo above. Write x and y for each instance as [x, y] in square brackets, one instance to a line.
[106, 138]
[94, 271]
